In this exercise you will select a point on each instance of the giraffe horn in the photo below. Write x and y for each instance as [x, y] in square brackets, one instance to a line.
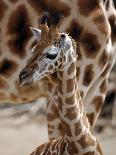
[43, 25]
[55, 23]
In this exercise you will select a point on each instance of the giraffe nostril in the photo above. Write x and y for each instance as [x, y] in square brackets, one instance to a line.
[24, 74]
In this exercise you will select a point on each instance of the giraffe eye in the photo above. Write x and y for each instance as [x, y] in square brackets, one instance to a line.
[51, 56]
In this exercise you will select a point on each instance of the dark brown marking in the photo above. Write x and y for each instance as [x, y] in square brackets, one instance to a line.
[49, 6]
[103, 59]
[71, 113]
[104, 86]
[71, 69]
[55, 112]
[72, 149]
[100, 21]
[112, 21]
[75, 29]
[67, 129]
[70, 85]
[18, 28]
[88, 75]
[70, 100]
[61, 129]
[78, 128]
[86, 141]
[89, 153]
[91, 118]
[3, 8]
[60, 103]
[7, 67]
[78, 72]
[97, 102]
[60, 86]
[88, 6]
[90, 45]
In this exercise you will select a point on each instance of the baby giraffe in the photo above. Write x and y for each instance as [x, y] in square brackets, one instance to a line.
[56, 52]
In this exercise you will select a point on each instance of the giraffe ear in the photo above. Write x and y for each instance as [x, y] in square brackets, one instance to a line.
[36, 33]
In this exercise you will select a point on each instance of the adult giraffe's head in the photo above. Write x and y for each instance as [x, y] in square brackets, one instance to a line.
[50, 52]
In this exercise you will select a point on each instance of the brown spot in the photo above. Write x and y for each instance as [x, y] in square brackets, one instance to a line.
[60, 86]
[89, 153]
[71, 69]
[3, 84]
[112, 22]
[86, 141]
[60, 103]
[78, 128]
[88, 6]
[3, 8]
[49, 6]
[72, 148]
[8, 67]
[18, 28]
[67, 129]
[90, 45]
[88, 75]
[104, 86]
[56, 63]
[70, 100]
[75, 29]
[61, 129]
[71, 113]
[50, 67]
[91, 118]
[97, 102]
[78, 72]
[70, 85]
[100, 21]
[79, 52]
[103, 59]
[54, 114]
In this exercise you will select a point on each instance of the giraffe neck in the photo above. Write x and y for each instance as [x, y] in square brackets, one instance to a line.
[73, 117]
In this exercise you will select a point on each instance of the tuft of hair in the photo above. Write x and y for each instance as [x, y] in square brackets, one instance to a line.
[55, 18]
[44, 19]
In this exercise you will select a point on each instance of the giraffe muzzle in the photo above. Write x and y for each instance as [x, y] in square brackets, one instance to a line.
[25, 77]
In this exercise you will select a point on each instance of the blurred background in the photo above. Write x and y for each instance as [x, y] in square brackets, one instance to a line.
[23, 123]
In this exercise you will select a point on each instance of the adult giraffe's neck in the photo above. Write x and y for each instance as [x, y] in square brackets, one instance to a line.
[73, 117]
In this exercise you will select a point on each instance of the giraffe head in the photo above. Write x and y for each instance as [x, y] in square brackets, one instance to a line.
[49, 54]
